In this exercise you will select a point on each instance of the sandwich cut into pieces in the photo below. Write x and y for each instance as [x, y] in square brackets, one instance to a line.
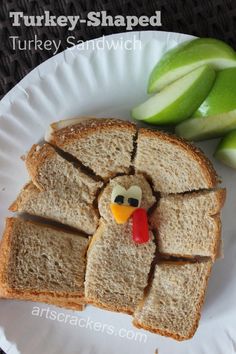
[172, 164]
[42, 263]
[60, 191]
[172, 307]
[96, 176]
[189, 225]
[105, 146]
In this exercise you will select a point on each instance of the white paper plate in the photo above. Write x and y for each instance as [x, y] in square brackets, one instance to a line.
[103, 83]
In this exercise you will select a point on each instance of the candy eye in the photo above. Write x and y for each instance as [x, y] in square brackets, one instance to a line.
[119, 199]
[118, 194]
[133, 202]
[134, 196]
[131, 197]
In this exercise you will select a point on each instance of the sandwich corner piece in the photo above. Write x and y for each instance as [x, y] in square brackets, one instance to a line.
[42, 263]
[173, 304]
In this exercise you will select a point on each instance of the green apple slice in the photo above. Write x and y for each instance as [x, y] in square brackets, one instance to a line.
[177, 101]
[208, 127]
[187, 57]
[226, 150]
[222, 97]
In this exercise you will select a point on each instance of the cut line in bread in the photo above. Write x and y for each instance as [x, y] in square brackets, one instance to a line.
[103, 145]
[73, 177]
[50, 205]
[41, 263]
[60, 191]
[172, 164]
[172, 307]
[50, 171]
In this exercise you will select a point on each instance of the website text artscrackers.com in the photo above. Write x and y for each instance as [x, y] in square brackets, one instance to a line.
[88, 324]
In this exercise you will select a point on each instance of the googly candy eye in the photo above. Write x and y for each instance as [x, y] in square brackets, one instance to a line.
[134, 196]
[118, 195]
[119, 199]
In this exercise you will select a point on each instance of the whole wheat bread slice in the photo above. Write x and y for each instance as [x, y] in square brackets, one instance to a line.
[49, 171]
[117, 268]
[173, 304]
[103, 145]
[172, 164]
[50, 205]
[189, 225]
[41, 263]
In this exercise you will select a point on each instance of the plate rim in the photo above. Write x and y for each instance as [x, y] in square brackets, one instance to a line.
[37, 73]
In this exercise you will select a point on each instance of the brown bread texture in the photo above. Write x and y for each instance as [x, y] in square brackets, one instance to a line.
[42, 263]
[49, 171]
[50, 205]
[60, 191]
[179, 193]
[172, 164]
[189, 225]
[173, 305]
[103, 145]
[117, 268]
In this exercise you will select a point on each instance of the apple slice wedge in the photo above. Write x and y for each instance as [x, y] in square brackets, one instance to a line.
[188, 56]
[226, 150]
[217, 114]
[196, 129]
[222, 97]
[177, 101]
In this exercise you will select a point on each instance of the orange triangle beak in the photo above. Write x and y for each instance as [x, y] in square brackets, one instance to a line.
[121, 213]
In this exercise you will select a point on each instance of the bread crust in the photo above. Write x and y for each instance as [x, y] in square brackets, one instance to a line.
[221, 201]
[62, 302]
[60, 138]
[197, 154]
[221, 197]
[16, 205]
[35, 158]
[218, 236]
[83, 129]
[96, 303]
[198, 308]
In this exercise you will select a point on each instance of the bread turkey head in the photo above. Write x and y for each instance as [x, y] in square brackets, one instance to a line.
[128, 198]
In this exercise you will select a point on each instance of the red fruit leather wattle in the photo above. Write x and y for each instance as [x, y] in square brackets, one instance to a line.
[140, 226]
